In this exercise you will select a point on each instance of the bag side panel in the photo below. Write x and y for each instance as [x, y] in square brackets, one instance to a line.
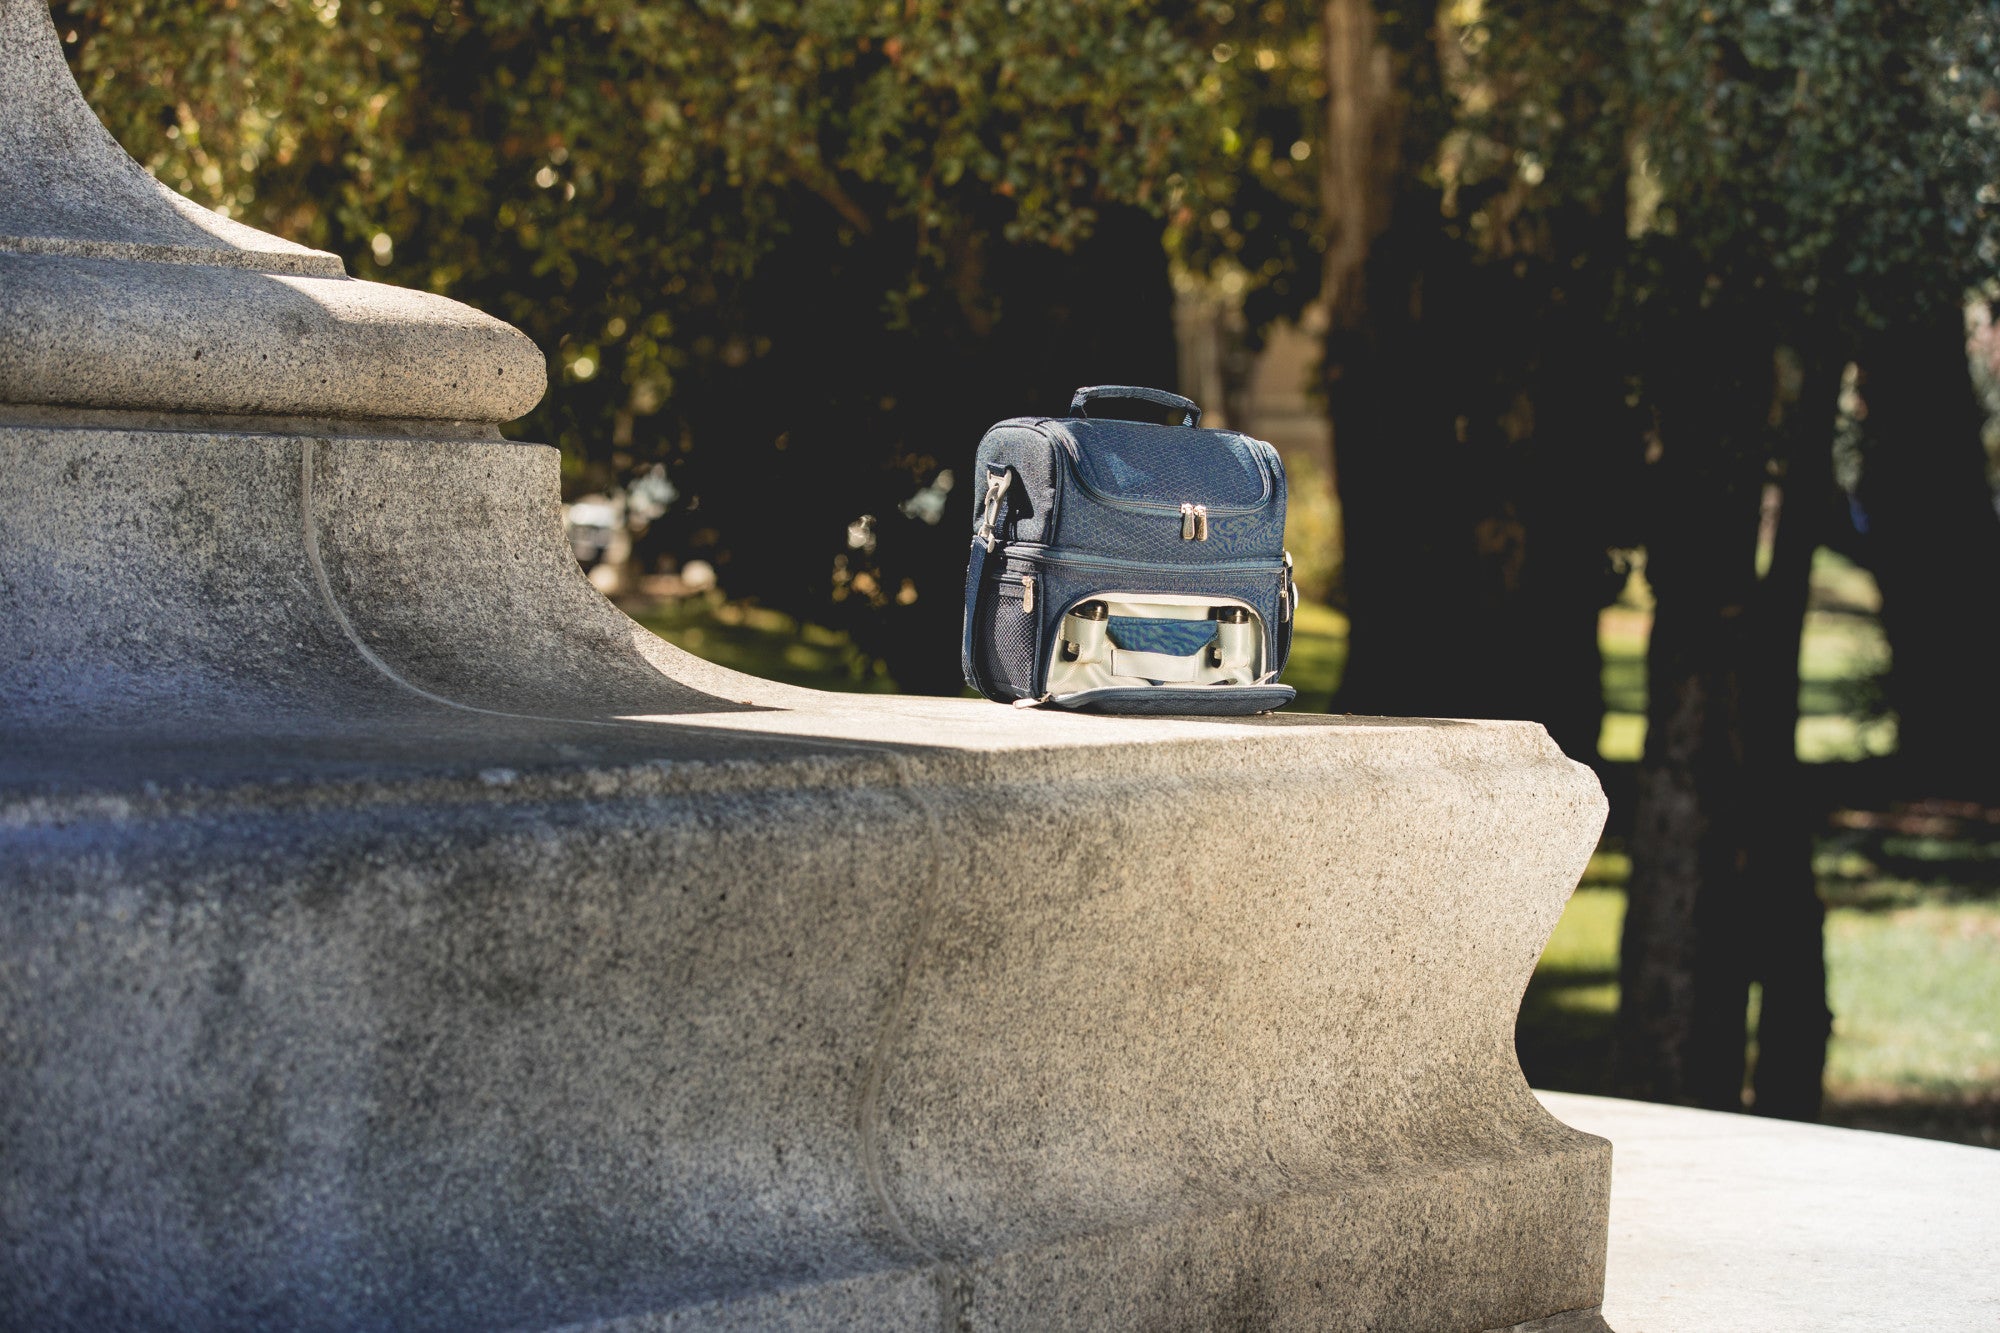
[1007, 639]
[1037, 491]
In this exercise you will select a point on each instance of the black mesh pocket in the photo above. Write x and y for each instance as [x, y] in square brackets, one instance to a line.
[1008, 642]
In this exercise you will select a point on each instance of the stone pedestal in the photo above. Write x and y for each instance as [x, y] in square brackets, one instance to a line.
[392, 934]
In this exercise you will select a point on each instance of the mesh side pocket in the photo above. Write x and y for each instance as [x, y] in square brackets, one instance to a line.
[1008, 640]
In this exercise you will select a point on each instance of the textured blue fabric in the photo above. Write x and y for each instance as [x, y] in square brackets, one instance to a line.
[1175, 638]
[1134, 462]
[1094, 507]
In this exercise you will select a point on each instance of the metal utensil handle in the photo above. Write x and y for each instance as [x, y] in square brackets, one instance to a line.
[1079, 406]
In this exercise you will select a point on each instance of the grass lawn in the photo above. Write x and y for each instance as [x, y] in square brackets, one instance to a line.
[1914, 982]
[762, 642]
[1913, 897]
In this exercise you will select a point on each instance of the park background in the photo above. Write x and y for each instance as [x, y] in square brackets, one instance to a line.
[1632, 364]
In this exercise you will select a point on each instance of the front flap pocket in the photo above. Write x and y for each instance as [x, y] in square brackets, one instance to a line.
[1156, 467]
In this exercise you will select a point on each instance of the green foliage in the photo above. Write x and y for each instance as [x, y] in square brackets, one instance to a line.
[1847, 150]
[1539, 104]
[1843, 154]
[1246, 222]
[798, 251]
[597, 164]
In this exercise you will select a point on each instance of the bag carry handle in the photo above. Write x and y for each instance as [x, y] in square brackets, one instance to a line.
[1079, 406]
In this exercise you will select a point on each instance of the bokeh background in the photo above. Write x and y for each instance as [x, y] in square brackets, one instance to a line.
[1633, 365]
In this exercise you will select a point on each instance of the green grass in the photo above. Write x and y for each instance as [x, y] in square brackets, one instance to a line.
[1842, 659]
[1913, 978]
[766, 643]
[1917, 994]
[1319, 654]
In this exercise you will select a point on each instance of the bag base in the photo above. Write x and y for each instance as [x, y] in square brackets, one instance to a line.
[1171, 701]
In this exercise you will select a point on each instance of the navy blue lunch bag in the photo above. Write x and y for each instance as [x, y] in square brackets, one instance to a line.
[1123, 567]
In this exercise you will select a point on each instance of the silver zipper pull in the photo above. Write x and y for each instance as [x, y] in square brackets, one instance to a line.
[1027, 593]
[1187, 522]
[1201, 523]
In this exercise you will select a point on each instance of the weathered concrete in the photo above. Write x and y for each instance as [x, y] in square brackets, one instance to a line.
[1736, 1224]
[366, 961]
[392, 934]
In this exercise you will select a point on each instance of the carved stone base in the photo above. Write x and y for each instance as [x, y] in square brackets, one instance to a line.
[395, 934]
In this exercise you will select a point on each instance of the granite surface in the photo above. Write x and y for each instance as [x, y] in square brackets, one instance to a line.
[397, 935]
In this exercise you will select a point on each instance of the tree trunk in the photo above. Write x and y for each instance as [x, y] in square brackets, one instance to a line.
[1932, 537]
[1722, 894]
[1784, 920]
[1685, 967]
[1404, 570]
[1474, 406]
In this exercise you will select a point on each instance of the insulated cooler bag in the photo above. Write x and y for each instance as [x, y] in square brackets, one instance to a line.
[1122, 567]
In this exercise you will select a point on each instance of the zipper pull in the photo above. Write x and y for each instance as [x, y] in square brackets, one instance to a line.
[1201, 523]
[996, 491]
[1187, 522]
[1027, 593]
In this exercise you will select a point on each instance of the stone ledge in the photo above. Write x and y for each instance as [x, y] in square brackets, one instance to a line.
[396, 931]
[574, 1043]
[113, 333]
[1309, 1264]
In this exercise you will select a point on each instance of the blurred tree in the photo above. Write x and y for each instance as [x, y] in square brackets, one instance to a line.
[1822, 179]
[800, 253]
[1593, 274]
[1474, 395]
[1932, 541]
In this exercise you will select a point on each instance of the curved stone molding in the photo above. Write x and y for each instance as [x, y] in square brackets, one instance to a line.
[116, 292]
[198, 338]
[66, 187]
[376, 887]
